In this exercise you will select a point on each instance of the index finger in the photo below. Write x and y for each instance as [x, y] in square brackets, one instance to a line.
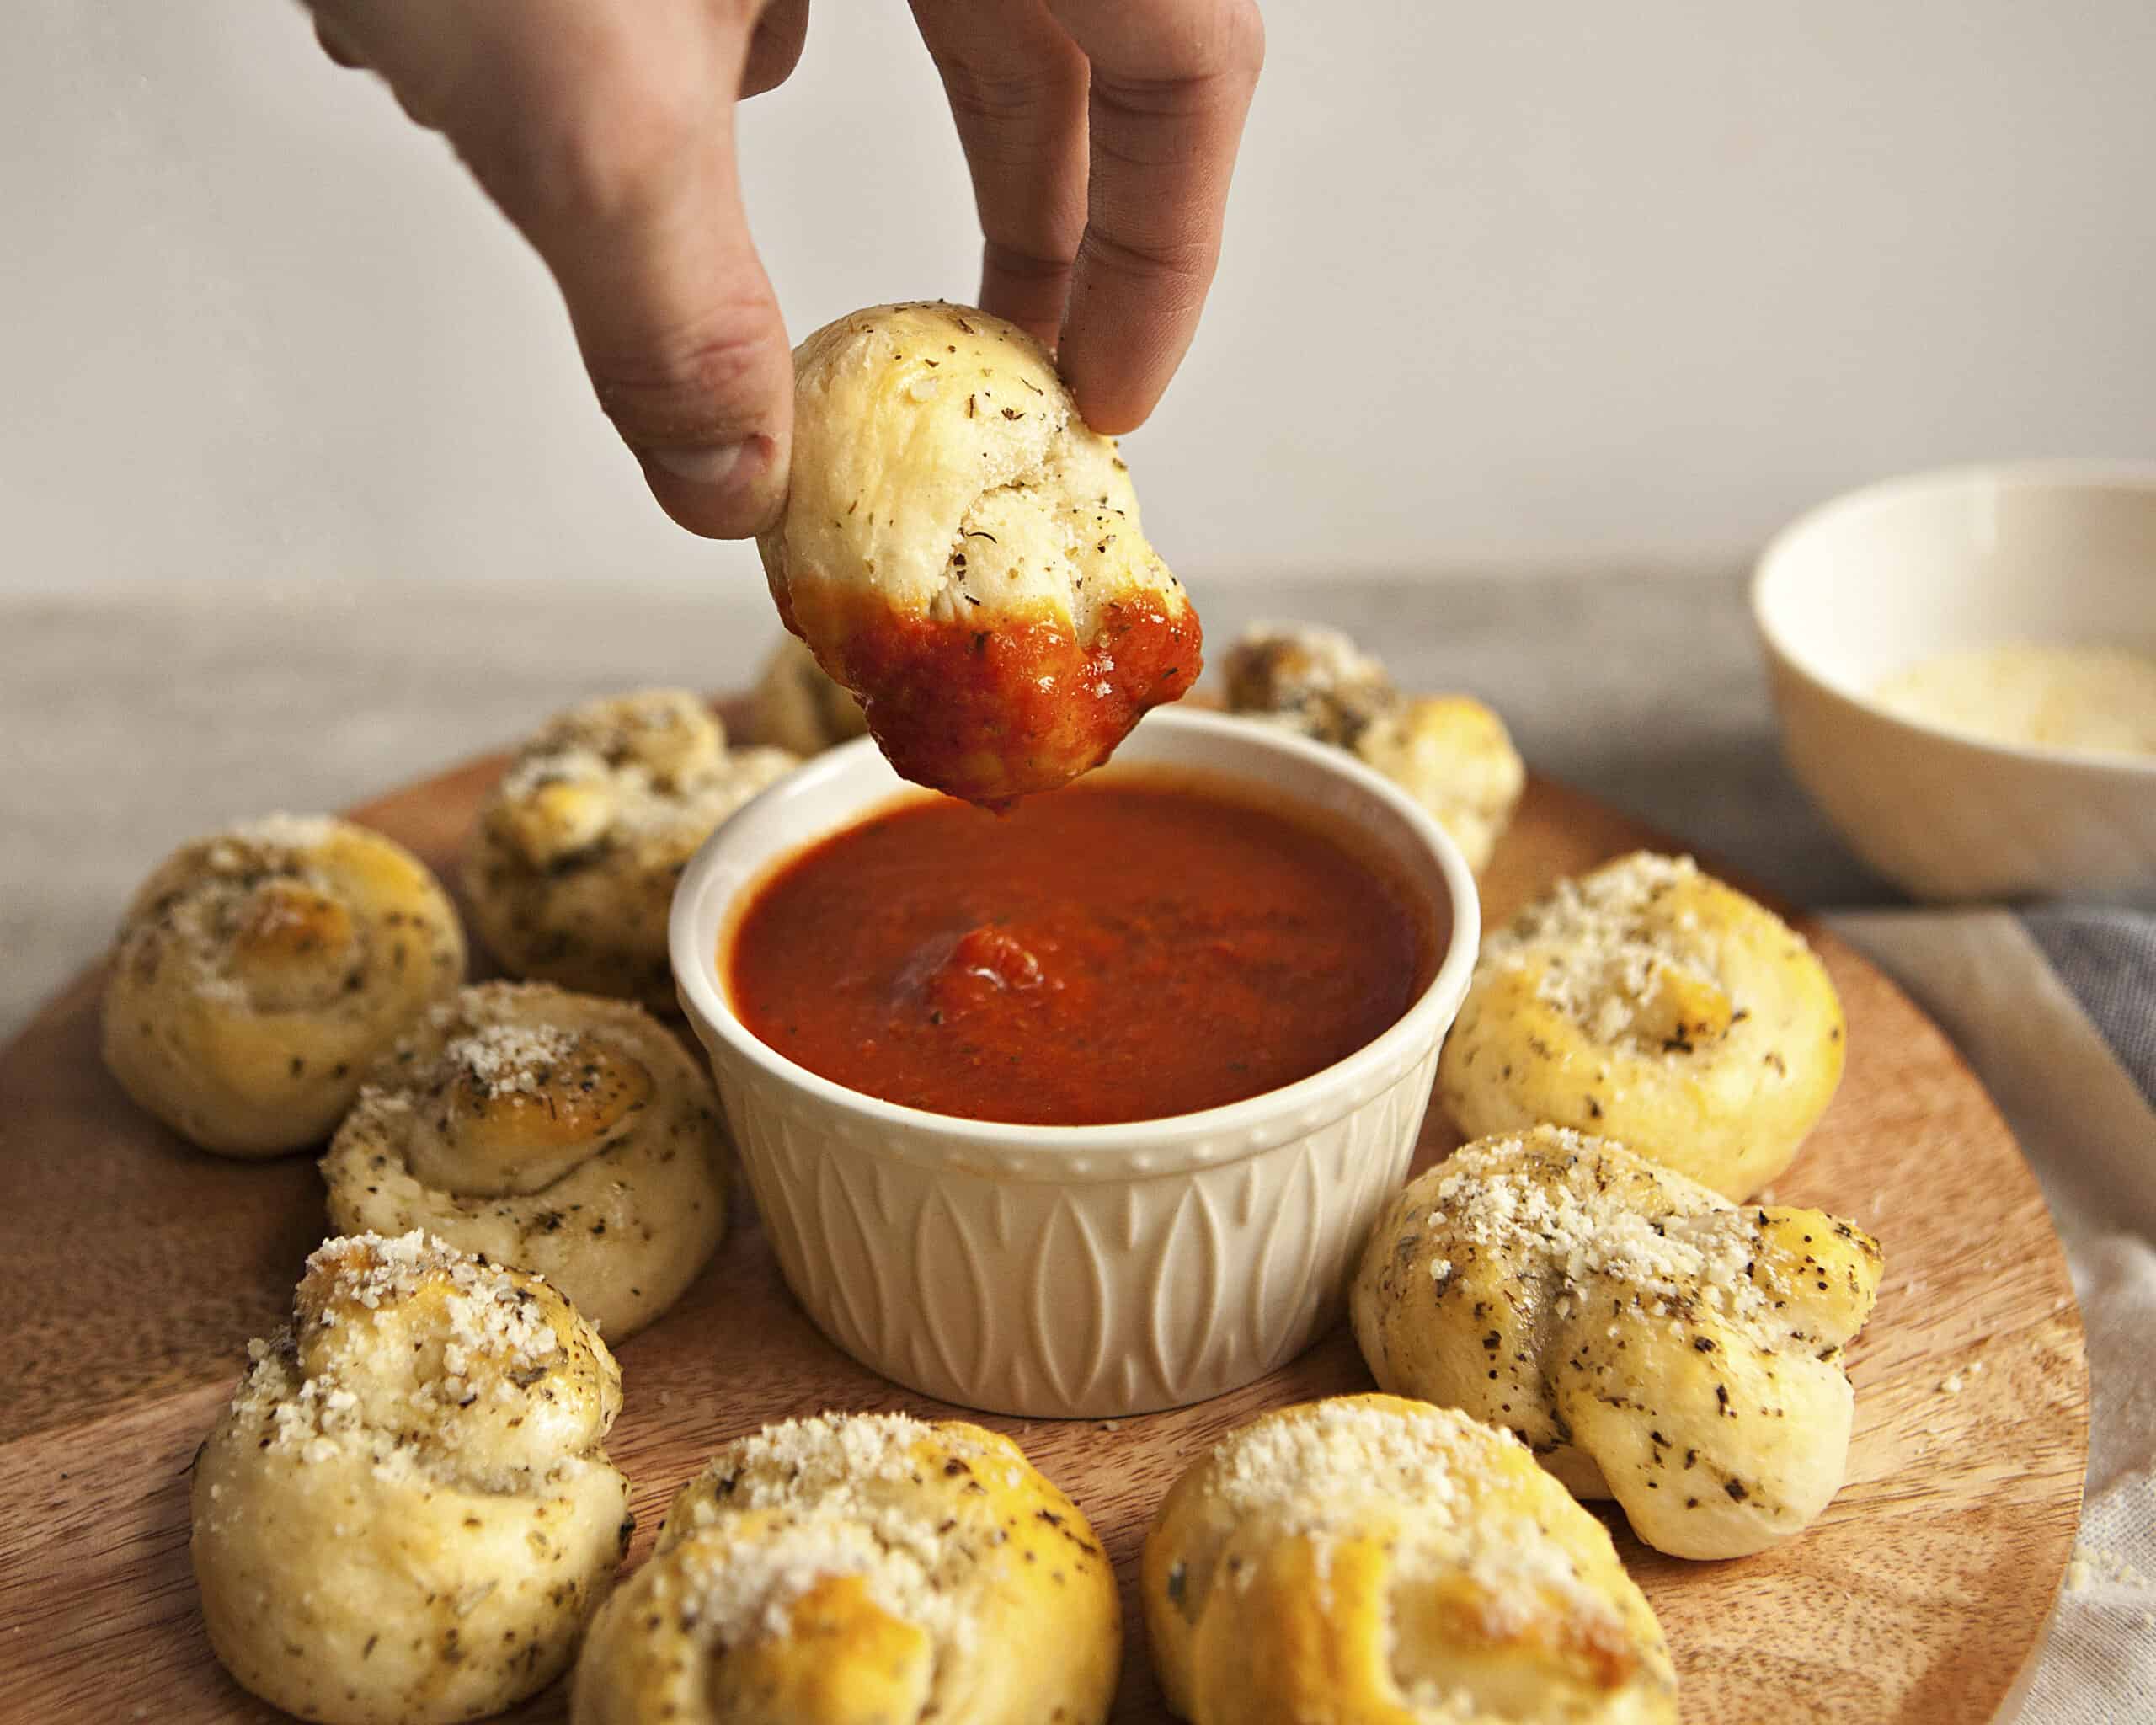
[1171, 83]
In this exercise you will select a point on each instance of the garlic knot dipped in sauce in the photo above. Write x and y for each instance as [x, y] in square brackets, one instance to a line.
[964, 554]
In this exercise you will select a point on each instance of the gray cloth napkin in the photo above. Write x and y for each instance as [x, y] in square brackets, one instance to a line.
[2056, 1010]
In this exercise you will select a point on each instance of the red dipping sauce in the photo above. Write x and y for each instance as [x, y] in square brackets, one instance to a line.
[1125, 949]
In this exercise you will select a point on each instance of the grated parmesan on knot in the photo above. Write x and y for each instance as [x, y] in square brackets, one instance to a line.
[486, 1314]
[280, 831]
[863, 1564]
[510, 1059]
[417, 1359]
[1314, 679]
[850, 1463]
[1648, 1339]
[742, 1589]
[1317, 1469]
[665, 734]
[1612, 957]
[202, 923]
[826, 1452]
[275, 843]
[1431, 1478]
[650, 765]
[1552, 1202]
[910, 1508]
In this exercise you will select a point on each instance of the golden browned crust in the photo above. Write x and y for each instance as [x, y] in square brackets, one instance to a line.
[260, 971]
[572, 869]
[858, 1567]
[406, 1513]
[567, 1133]
[966, 556]
[1373, 1559]
[1651, 1003]
[1651, 1341]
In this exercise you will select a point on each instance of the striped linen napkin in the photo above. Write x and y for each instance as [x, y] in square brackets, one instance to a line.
[2055, 1008]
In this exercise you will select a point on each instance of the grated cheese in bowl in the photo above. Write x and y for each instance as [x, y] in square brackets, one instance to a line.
[2035, 694]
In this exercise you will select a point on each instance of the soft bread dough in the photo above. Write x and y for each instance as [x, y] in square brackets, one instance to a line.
[1377, 1561]
[964, 554]
[1450, 752]
[406, 1513]
[1314, 679]
[1650, 1002]
[1454, 756]
[1652, 1342]
[861, 1567]
[260, 971]
[797, 706]
[572, 870]
[567, 1134]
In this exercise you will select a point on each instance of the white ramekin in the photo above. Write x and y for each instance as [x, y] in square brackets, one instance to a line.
[1883, 579]
[1075, 1271]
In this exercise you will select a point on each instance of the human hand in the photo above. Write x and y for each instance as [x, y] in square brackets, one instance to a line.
[1101, 135]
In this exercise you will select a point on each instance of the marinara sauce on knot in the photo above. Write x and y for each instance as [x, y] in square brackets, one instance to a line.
[1126, 949]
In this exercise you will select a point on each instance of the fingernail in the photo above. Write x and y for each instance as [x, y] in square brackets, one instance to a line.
[712, 466]
[723, 490]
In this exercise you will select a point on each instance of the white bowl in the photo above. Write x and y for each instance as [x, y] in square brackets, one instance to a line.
[1075, 1271]
[1884, 579]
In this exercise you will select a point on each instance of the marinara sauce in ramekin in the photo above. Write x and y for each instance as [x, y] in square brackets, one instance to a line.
[1085, 1111]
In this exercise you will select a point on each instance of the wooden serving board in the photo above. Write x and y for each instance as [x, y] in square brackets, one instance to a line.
[133, 1269]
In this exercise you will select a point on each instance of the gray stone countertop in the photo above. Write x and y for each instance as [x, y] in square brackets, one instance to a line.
[131, 720]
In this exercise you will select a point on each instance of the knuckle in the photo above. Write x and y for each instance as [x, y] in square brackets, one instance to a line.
[1171, 41]
[1182, 269]
[1023, 263]
[607, 160]
[996, 98]
[595, 136]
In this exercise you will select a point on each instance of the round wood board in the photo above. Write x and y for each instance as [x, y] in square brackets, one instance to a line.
[133, 1269]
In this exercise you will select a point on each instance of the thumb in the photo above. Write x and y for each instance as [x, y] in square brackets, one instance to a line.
[606, 134]
[680, 331]
[622, 177]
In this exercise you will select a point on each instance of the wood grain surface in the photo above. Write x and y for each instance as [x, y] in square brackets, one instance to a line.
[133, 1269]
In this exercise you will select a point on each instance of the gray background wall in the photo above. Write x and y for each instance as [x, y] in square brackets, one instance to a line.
[1507, 286]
